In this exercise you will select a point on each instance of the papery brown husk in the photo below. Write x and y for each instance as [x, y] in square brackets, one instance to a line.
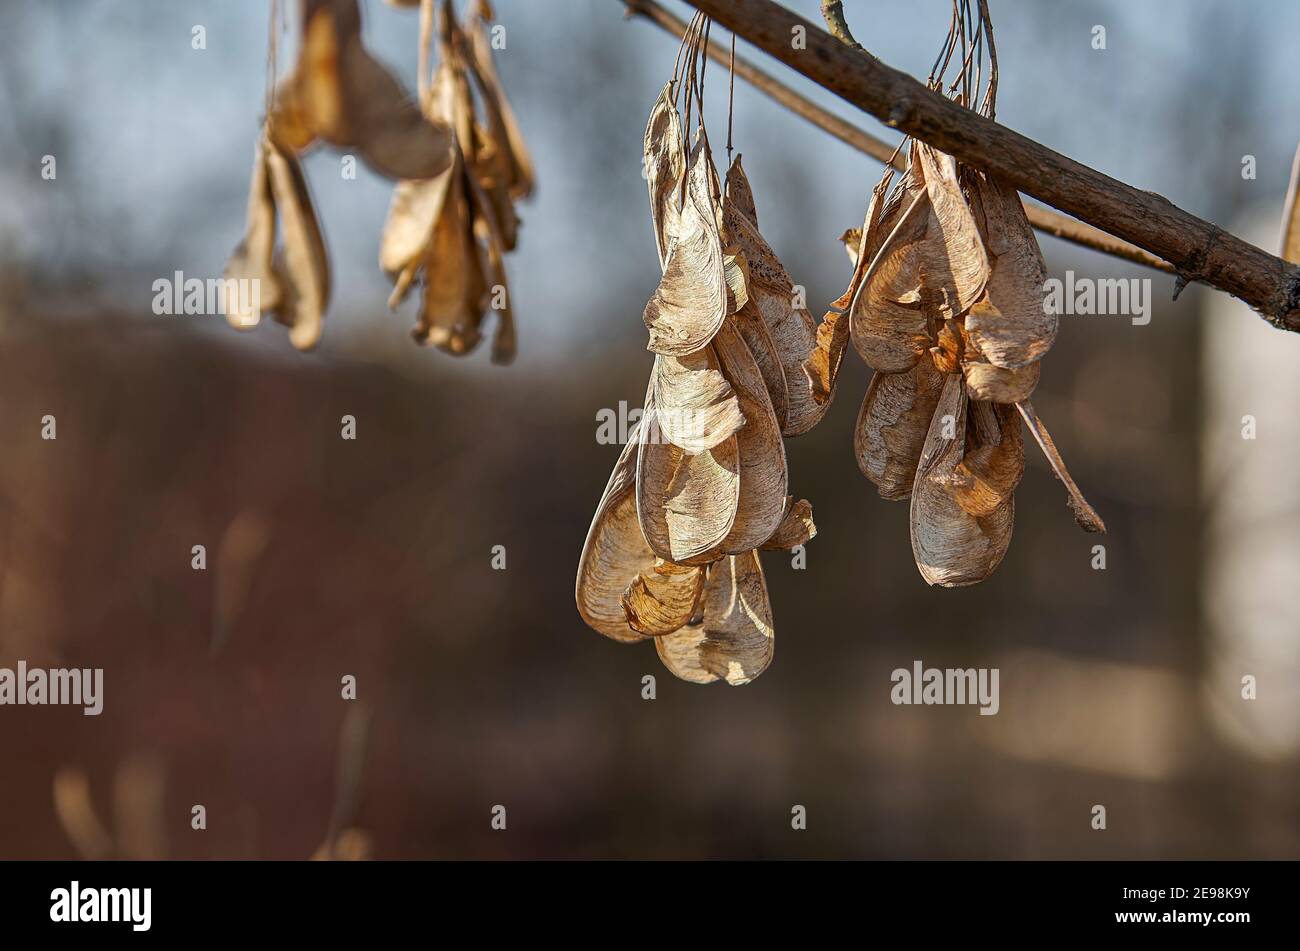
[934, 269]
[686, 503]
[739, 192]
[984, 381]
[663, 159]
[955, 268]
[735, 640]
[752, 328]
[615, 553]
[1015, 329]
[887, 323]
[790, 327]
[453, 279]
[797, 526]
[418, 203]
[763, 473]
[664, 599]
[953, 548]
[493, 246]
[696, 406]
[305, 276]
[347, 98]
[994, 460]
[521, 180]
[691, 301]
[892, 425]
[254, 258]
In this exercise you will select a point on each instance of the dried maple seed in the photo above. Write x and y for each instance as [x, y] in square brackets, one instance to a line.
[615, 553]
[696, 407]
[952, 547]
[763, 473]
[253, 259]
[455, 228]
[892, 425]
[790, 327]
[691, 301]
[306, 274]
[1014, 328]
[522, 179]
[686, 503]
[994, 460]
[664, 163]
[796, 528]
[735, 640]
[663, 600]
[348, 99]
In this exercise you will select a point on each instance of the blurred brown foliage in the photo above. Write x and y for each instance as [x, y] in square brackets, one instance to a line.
[372, 558]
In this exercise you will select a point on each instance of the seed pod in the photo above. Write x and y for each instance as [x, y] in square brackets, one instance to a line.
[615, 553]
[253, 259]
[494, 272]
[753, 330]
[663, 600]
[306, 274]
[790, 327]
[735, 639]
[695, 406]
[348, 99]
[892, 425]
[888, 326]
[453, 280]
[953, 548]
[1014, 330]
[686, 503]
[984, 381]
[664, 163]
[822, 368]
[931, 267]
[691, 300]
[796, 528]
[954, 268]
[521, 180]
[739, 192]
[993, 462]
[763, 473]
[418, 203]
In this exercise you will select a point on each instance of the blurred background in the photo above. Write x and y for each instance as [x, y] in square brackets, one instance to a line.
[479, 687]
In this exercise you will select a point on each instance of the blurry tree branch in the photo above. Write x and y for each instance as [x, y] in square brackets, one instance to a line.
[1198, 250]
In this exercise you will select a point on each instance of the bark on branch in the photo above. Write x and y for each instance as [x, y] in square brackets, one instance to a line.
[1199, 251]
[1044, 219]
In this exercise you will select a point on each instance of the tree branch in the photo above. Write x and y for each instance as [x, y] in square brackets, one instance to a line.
[1199, 250]
[1044, 219]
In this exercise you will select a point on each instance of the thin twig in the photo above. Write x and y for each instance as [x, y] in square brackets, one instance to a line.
[1044, 219]
[833, 14]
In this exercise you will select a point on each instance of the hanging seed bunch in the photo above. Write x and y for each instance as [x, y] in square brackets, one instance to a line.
[338, 94]
[946, 304]
[453, 230]
[672, 553]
